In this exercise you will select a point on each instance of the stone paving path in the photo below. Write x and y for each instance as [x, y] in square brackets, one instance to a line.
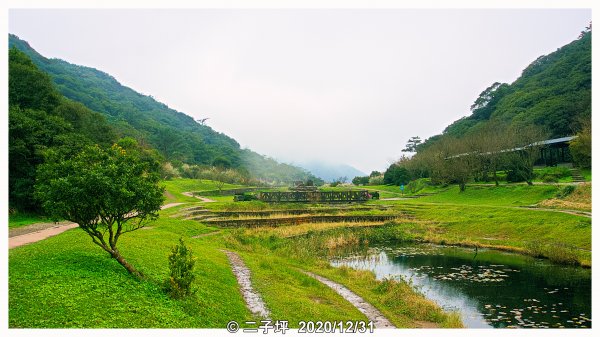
[252, 298]
[363, 306]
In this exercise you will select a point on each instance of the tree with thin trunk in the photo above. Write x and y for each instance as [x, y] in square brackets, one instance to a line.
[462, 161]
[107, 192]
[219, 177]
[491, 142]
[525, 151]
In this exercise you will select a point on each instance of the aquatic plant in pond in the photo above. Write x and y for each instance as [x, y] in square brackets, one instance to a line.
[489, 288]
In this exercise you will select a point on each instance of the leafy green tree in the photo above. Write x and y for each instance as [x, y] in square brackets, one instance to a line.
[221, 163]
[107, 192]
[30, 132]
[28, 86]
[396, 175]
[485, 104]
[360, 181]
[86, 122]
[527, 145]
[40, 118]
[581, 147]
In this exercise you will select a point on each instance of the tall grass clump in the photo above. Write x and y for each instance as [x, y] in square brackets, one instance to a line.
[555, 252]
[565, 191]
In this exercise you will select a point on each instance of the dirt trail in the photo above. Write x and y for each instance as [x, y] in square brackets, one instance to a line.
[366, 308]
[189, 194]
[253, 300]
[55, 229]
[40, 231]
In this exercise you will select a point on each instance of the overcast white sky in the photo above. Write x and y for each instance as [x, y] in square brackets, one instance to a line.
[342, 86]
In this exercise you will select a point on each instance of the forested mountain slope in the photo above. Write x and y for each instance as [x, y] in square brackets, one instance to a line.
[174, 134]
[554, 92]
[41, 119]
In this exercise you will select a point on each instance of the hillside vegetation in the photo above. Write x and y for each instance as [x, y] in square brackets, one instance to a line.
[503, 137]
[40, 119]
[175, 135]
[55, 106]
[554, 91]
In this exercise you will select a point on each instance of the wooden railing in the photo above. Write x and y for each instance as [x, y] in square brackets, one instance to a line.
[316, 197]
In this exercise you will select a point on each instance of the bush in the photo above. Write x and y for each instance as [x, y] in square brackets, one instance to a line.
[565, 191]
[416, 185]
[376, 180]
[396, 175]
[515, 176]
[360, 181]
[553, 174]
[244, 197]
[581, 147]
[550, 179]
[181, 266]
[168, 171]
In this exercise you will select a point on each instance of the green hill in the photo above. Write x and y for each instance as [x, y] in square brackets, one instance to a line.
[554, 92]
[40, 118]
[175, 135]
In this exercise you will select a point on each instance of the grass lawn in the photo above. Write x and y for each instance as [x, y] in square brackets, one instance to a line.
[503, 195]
[23, 219]
[506, 226]
[67, 281]
[175, 187]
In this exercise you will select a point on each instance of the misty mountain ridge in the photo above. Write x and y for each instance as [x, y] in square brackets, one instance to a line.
[329, 171]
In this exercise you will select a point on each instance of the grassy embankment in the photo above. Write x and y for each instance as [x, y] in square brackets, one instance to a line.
[580, 199]
[495, 217]
[67, 281]
[487, 216]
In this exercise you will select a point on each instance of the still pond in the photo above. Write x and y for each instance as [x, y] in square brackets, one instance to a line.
[489, 288]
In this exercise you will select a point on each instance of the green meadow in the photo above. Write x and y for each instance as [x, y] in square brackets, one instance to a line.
[67, 281]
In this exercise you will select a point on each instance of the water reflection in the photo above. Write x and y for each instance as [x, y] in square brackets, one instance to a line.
[489, 288]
